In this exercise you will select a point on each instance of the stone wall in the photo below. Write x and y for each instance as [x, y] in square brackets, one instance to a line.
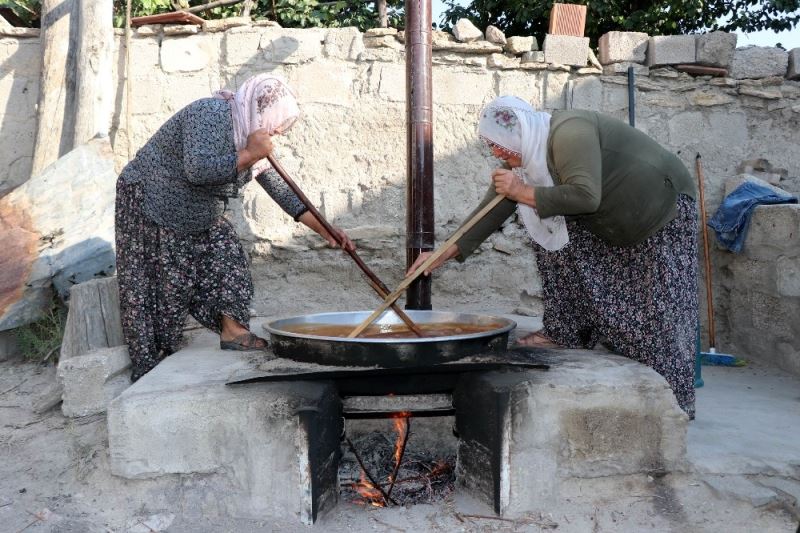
[348, 152]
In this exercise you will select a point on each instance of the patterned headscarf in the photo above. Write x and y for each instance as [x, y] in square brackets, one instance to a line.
[263, 101]
[511, 124]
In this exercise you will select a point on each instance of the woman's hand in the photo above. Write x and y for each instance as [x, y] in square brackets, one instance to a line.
[512, 187]
[508, 184]
[342, 237]
[449, 254]
[259, 146]
[311, 221]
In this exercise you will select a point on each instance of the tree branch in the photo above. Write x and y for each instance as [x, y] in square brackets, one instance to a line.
[211, 5]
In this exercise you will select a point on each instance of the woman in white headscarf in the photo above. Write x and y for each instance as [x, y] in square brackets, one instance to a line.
[612, 217]
[177, 255]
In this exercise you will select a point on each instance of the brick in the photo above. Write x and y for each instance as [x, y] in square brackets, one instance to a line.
[567, 19]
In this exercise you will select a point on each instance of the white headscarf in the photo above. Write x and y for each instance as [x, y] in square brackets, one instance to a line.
[263, 101]
[513, 125]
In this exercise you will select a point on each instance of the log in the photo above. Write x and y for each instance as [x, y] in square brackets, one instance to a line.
[54, 89]
[93, 321]
[94, 89]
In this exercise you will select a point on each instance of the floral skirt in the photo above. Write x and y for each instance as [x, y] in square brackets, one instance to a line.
[640, 300]
[165, 276]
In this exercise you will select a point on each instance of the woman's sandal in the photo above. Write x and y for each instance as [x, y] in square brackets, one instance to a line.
[537, 339]
[245, 342]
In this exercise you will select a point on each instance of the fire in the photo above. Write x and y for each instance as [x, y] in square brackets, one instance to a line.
[375, 495]
[401, 428]
[368, 491]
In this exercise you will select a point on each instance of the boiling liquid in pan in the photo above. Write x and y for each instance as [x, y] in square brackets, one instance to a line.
[392, 331]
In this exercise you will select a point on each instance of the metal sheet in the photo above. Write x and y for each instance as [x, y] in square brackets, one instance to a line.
[386, 353]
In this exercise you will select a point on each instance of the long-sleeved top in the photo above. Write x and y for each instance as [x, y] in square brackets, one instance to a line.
[188, 170]
[612, 178]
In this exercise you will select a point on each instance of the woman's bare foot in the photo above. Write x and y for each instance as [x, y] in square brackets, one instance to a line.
[537, 339]
[234, 336]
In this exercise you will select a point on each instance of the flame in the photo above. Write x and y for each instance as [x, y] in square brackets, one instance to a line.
[368, 492]
[400, 427]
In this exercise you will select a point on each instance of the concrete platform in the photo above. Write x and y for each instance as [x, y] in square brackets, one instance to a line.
[592, 415]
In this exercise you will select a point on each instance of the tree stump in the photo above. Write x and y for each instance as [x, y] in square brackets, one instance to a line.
[93, 321]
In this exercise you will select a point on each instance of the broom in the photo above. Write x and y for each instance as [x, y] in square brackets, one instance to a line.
[711, 357]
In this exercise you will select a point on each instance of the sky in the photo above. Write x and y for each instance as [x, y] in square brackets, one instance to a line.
[789, 39]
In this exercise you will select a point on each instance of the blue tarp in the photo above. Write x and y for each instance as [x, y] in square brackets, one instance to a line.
[733, 216]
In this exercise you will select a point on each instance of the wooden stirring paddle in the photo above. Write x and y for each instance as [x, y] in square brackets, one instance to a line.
[389, 300]
[372, 279]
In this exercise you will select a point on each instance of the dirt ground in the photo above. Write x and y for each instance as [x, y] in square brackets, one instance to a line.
[54, 477]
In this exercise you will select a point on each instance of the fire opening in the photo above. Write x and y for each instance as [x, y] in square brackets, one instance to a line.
[379, 470]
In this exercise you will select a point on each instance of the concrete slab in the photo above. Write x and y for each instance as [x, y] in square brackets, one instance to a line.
[747, 422]
[181, 418]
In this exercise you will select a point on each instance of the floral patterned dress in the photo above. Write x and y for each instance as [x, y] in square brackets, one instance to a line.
[176, 253]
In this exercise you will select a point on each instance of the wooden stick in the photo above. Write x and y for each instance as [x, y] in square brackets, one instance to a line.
[709, 299]
[389, 300]
[375, 484]
[373, 280]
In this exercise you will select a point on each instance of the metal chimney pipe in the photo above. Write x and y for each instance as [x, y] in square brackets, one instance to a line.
[419, 144]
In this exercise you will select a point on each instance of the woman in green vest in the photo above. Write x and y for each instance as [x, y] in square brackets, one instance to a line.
[613, 219]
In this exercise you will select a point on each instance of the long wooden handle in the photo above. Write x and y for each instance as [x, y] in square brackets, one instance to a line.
[428, 262]
[709, 298]
[374, 281]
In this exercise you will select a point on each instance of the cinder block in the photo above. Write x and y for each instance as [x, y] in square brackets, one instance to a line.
[623, 46]
[91, 381]
[671, 50]
[793, 73]
[716, 49]
[753, 62]
[566, 50]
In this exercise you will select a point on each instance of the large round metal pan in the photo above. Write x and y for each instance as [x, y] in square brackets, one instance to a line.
[389, 352]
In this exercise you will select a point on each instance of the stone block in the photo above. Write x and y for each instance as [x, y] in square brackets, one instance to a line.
[793, 73]
[181, 418]
[671, 50]
[24, 58]
[534, 56]
[225, 24]
[180, 29]
[291, 46]
[788, 282]
[502, 61]
[555, 90]
[774, 232]
[92, 380]
[461, 88]
[495, 35]
[716, 49]
[759, 62]
[612, 69]
[520, 45]
[588, 94]
[343, 43]
[184, 54]
[591, 415]
[57, 230]
[566, 50]
[379, 32]
[240, 46]
[465, 31]
[623, 46]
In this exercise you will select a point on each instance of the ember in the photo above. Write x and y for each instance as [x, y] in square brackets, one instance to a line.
[377, 470]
